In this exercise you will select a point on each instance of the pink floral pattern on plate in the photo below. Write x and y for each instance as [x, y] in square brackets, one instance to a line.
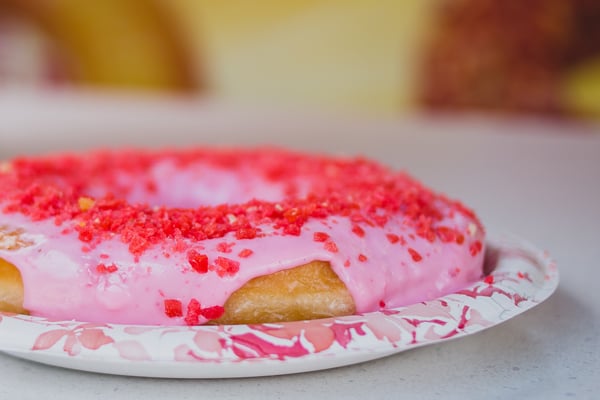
[521, 277]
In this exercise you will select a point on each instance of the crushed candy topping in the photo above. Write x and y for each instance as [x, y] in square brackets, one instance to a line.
[360, 232]
[227, 267]
[173, 308]
[392, 238]
[106, 269]
[192, 315]
[213, 312]
[320, 236]
[86, 193]
[475, 248]
[225, 247]
[415, 254]
[245, 253]
[199, 262]
[331, 246]
[85, 203]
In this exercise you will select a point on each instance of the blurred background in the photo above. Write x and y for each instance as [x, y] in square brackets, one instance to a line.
[535, 57]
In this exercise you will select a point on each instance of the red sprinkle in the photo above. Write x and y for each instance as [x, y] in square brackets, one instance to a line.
[291, 229]
[106, 269]
[446, 234]
[245, 253]
[225, 247]
[362, 258]
[173, 308]
[475, 248]
[246, 233]
[360, 232]
[331, 246]
[151, 186]
[347, 263]
[392, 238]
[415, 254]
[192, 316]
[227, 267]
[381, 304]
[320, 237]
[85, 235]
[489, 279]
[213, 312]
[199, 262]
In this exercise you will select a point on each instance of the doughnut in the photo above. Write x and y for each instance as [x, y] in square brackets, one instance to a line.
[224, 236]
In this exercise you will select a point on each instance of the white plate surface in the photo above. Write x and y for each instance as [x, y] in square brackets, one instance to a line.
[522, 277]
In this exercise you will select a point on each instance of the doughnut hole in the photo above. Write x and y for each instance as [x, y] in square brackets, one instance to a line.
[168, 185]
[11, 288]
[309, 291]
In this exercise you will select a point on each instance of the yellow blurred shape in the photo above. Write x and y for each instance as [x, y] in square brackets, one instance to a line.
[582, 89]
[122, 43]
[344, 54]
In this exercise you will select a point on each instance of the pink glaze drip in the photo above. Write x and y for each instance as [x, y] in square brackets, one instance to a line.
[376, 261]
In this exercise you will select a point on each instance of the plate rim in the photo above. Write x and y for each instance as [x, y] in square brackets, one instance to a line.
[358, 347]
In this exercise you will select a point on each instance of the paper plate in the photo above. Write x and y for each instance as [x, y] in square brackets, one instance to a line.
[521, 277]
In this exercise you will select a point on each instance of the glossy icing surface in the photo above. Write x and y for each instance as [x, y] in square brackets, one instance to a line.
[116, 236]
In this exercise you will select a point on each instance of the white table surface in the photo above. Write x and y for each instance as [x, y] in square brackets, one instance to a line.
[537, 179]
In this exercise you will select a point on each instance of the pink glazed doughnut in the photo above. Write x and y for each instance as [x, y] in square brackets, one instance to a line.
[176, 237]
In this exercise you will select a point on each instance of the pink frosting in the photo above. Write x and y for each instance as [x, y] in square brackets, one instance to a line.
[62, 281]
